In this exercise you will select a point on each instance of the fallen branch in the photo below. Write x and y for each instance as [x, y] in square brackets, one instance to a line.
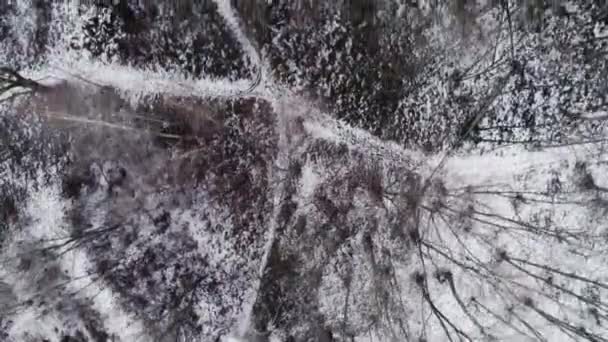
[76, 119]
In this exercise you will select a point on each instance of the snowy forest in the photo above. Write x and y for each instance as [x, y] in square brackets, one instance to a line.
[303, 170]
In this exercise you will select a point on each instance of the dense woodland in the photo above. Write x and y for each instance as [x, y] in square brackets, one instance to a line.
[296, 170]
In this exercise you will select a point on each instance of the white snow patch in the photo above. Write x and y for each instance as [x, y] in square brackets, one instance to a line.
[46, 211]
[492, 168]
[309, 180]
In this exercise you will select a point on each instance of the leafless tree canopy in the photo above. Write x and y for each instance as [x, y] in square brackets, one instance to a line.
[304, 171]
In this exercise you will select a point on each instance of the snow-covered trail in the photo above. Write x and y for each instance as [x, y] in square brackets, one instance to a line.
[137, 84]
[502, 167]
[232, 21]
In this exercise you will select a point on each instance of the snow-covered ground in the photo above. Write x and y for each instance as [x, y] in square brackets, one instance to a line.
[507, 245]
[46, 210]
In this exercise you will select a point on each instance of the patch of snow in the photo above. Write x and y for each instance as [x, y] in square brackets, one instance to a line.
[401, 10]
[46, 210]
[309, 180]
[232, 339]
